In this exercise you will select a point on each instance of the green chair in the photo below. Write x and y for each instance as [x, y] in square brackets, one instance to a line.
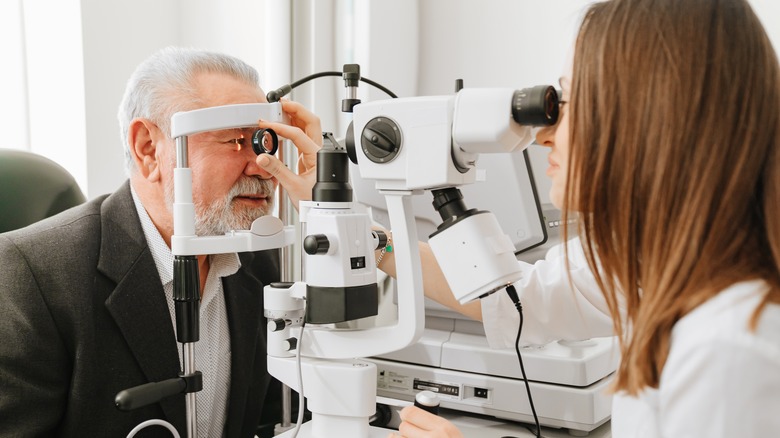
[33, 187]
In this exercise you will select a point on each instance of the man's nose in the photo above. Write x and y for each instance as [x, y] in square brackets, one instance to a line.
[253, 169]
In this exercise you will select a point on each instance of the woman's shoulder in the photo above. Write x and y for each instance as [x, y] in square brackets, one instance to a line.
[727, 317]
[718, 364]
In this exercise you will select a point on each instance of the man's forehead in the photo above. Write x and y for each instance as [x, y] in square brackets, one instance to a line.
[217, 89]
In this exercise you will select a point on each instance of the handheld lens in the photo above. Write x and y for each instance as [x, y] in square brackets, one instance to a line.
[265, 141]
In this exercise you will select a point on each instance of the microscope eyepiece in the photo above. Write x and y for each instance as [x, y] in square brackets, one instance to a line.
[535, 106]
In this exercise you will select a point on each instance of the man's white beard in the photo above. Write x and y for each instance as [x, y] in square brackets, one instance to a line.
[224, 215]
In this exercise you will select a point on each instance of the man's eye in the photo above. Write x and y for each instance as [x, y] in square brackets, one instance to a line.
[235, 143]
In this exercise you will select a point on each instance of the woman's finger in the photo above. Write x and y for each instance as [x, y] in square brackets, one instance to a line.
[301, 117]
[307, 148]
[417, 423]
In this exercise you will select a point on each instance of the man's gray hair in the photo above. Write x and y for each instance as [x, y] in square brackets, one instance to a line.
[164, 84]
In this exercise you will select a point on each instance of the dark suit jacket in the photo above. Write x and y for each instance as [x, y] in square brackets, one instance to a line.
[83, 316]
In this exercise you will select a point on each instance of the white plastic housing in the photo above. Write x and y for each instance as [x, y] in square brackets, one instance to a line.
[224, 117]
[424, 160]
[483, 123]
[476, 257]
[436, 129]
[349, 233]
[341, 394]
[279, 304]
[254, 239]
[325, 343]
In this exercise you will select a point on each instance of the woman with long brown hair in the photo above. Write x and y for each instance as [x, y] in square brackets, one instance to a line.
[668, 154]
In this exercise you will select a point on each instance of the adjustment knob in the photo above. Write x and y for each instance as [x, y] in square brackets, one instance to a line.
[427, 401]
[276, 325]
[290, 344]
[316, 244]
[380, 139]
[381, 238]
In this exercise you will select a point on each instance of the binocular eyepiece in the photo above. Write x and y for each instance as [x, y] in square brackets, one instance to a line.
[536, 106]
[265, 141]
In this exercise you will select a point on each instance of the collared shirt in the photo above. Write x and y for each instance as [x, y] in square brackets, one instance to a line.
[212, 351]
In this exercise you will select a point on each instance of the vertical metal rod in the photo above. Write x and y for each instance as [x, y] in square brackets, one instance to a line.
[191, 399]
[288, 215]
[286, 406]
[186, 293]
[181, 151]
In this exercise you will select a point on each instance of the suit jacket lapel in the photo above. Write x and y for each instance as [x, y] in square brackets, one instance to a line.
[138, 302]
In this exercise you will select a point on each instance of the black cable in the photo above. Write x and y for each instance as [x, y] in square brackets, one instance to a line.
[302, 81]
[275, 95]
[510, 290]
[370, 82]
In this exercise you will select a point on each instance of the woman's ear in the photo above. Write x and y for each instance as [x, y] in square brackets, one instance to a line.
[143, 137]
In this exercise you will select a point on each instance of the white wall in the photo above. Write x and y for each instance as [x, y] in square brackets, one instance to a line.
[117, 35]
[13, 77]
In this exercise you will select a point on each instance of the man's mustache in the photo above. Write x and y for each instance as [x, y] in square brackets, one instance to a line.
[253, 186]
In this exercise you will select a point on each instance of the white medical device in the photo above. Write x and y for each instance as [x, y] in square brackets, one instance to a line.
[433, 143]
[407, 146]
[569, 380]
[339, 269]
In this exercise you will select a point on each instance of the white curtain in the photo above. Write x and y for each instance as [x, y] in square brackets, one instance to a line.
[14, 122]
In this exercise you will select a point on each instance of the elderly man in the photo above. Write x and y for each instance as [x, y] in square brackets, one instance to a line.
[86, 296]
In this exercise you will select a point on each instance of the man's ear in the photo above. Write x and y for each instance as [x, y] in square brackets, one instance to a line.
[143, 137]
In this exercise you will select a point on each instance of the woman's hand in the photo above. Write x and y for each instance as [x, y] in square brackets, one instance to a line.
[305, 131]
[417, 423]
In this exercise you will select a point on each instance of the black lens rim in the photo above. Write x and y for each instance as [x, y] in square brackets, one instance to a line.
[257, 141]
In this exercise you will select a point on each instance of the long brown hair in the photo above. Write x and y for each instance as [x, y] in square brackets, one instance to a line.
[674, 164]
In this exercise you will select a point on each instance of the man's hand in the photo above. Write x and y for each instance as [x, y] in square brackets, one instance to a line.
[305, 132]
[416, 423]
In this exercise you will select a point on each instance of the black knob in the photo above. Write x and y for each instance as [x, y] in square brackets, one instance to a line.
[380, 139]
[381, 238]
[316, 244]
[291, 344]
[277, 324]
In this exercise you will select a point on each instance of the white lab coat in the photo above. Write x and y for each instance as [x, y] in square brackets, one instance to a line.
[552, 308]
[720, 378]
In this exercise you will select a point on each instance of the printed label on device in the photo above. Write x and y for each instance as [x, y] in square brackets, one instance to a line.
[439, 388]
